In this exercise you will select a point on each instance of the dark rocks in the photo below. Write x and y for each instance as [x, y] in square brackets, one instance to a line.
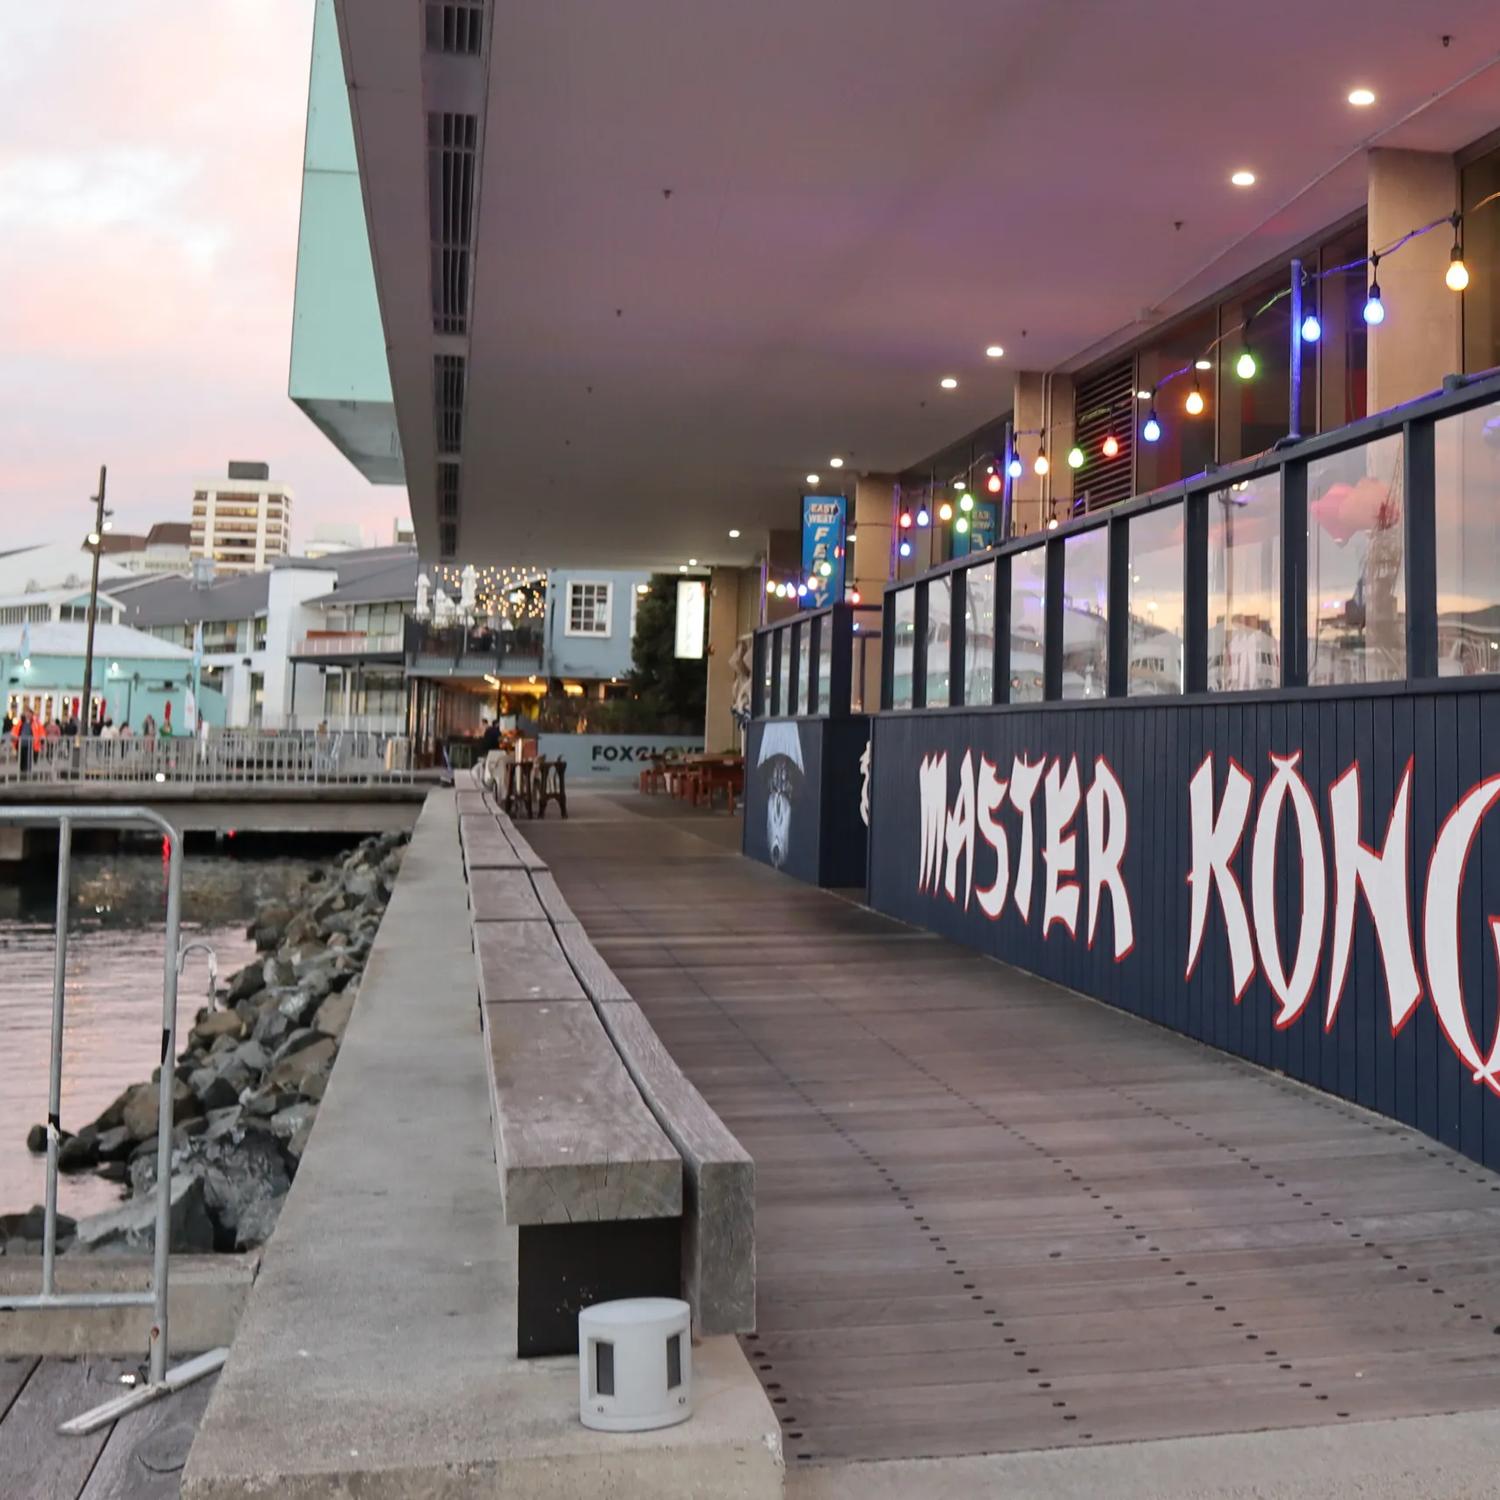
[131, 1228]
[247, 982]
[31, 1225]
[36, 1140]
[270, 926]
[79, 1152]
[211, 1028]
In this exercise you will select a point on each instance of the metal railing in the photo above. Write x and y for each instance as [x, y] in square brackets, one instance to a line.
[155, 1296]
[350, 643]
[227, 757]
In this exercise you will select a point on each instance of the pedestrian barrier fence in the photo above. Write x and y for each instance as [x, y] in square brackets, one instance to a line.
[155, 1296]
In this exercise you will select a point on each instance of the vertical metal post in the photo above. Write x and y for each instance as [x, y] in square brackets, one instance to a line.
[54, 1082]
[1007, 484]
[1294, 420]
[164, 1110]
[97, 548]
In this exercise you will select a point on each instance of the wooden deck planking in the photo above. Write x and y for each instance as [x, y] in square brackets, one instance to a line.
[980, 1195]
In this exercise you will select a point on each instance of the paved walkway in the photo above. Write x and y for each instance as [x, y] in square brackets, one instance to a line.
[995, 1216]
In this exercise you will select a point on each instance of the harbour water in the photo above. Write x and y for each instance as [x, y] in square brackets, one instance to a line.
[112, 1031]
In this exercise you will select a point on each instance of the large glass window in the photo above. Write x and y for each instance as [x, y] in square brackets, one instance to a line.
[1085, 668]
[1244, 585]
[825, 663]
[979, 634]
[784, 673]
[804, 666]
[767, 675]
[903, 647]
[1482, 252]
[1468, 542]
[1253, 413]
[1028, 623]
[1356, 565]
[939, 641]
[1186, 444]
[1338, 299]
[1156, 608]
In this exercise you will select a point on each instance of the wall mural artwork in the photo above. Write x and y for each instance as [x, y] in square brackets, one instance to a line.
[1308, 885]
[779, 767]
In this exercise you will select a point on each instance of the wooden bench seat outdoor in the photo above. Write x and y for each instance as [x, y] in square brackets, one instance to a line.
[504, 896]
[485, 846]
[522, 961]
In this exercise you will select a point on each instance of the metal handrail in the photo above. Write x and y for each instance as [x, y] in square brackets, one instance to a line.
[156, 1296]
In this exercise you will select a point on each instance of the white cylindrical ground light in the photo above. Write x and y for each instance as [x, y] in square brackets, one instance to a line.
[635, 1364]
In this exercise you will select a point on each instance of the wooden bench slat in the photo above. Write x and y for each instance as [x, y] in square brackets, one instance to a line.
[558, 910]
[521, 961]
[718, 1223]
[596, 976]
[503, 896]
[575, 1141]
[524, 852]
[485, 846]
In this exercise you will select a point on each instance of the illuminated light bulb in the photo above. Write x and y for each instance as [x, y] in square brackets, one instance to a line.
[905, 548]
[812, 583]
[1242, 178]
[922, 517]
[961, 525]
[1052, 524]
[948, 383]
[960, 485]
[682, 567]
[1110, 447]
[854, 596]
[771, 586]
[1312, 329]
[734, 534]
[835, 463]
[994, 484]
[1374, 307]
[1151, 429]
[826, 569]
[1457, 275]
[966, 503]
[905, 519]
[1075, 457]
[994, 352]
[1013, 468]
[801, 590]
[1245, 366]
[1203, 364]
[1041, 465]
[1361, 98]
[1194, 403]
[945, 512]
[812, 479]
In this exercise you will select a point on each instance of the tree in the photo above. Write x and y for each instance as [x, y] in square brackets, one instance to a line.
[676, 689]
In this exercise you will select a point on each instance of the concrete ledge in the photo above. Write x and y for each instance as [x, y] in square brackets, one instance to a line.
[376, 1356]
[206, 1295]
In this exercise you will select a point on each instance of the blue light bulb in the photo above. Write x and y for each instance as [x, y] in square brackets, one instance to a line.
[922, 517]
[1013, 468]
[1151, 431]
[1374, 307]
[906, 549]
[1312, 330]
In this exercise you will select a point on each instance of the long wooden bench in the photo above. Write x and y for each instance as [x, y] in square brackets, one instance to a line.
[618, 1177]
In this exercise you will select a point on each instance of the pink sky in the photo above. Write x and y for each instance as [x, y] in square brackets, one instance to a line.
[150, 173]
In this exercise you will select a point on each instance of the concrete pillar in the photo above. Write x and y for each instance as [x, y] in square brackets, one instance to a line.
[873, 520]
[724, 588]
[1421, 338]
[1045, 402]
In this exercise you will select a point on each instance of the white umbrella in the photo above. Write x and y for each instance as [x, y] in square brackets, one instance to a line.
[468, 588]
[424, 597]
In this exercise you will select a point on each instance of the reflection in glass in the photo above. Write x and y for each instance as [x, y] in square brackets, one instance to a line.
[825, 663]
[1156, 602]
[1028, 617]
[1085, 665]
[767, 675]
[979, 634]
[939, 641]
[1468, 542]
[1244, 585]
[903, 648]
[784, 674]
[804, 666]
[864, 668]
[1356, 565]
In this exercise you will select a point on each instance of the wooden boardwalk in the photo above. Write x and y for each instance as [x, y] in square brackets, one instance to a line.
[996, 1216]
[139, 1458]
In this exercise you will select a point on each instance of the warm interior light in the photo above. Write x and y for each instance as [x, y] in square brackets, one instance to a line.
[1194, 403]
[1458, 273]
[945, 512]
[994, 351]
[771, 585]
[1243, 178]
[948, 383]
[1041, 465]
[1361, 98]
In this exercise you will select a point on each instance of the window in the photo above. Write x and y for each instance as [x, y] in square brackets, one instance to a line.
[1244, 585]
[1085, 668]
[804, 665]
[979, 634]
[1156, 602]
[1186, 444]
[1253, 413]
[1028, 623]
[903, 647]
[939, 640]
[1356, 565]
[825, 664]
[767, 668]
[784, 704]
[588, 608]
[1468, 542]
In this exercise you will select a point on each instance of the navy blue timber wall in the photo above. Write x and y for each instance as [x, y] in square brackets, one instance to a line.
[802, 796]
[1449, 736]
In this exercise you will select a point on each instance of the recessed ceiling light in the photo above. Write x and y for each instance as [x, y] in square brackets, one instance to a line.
[812, 478]
[1143, 395]
[1243, 178]
[682, 567]
[994, 351]
[734, 533]
[1203, 364]
[1361, 98]
[692, 562]
[835, 463]
[949, 383]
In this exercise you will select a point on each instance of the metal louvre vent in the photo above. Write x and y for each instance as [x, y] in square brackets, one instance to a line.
[448, 401]
[451, 143]
[447, 491]
[455, 26]
[448, 540]
[1104, 406]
